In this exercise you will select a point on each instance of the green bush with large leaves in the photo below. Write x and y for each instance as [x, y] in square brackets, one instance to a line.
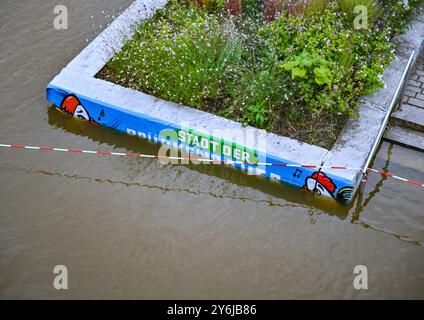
[300, 75]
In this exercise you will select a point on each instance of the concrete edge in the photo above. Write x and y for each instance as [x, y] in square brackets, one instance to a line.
[98, 52]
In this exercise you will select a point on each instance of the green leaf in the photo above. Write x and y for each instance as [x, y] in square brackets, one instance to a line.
[298, 72]
[322, 75]
[305, 59]
[290, 65]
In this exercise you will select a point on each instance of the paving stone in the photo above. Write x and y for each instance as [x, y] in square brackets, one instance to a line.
[416, 102]
[410, 93]
[409, 116]
[405, 137]
[419, 73]
[420, 96]
[421, 79]
[414, 89]
[414, 83]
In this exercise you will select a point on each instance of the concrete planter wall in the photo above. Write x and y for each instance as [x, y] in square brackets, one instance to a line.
[76, 91]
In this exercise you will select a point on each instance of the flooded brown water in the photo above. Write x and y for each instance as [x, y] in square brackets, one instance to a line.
[132, 228]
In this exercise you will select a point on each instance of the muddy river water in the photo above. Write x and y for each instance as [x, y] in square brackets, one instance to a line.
[133, 228]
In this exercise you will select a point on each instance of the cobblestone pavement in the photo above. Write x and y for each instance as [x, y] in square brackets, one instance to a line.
[407, 123]
[414, 90]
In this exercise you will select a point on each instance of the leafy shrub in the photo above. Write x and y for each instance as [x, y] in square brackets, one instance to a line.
[311, 67]
[397, 13]
[301, 74]
[355, 57]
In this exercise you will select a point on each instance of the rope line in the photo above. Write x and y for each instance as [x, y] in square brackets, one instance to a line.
[213, 161]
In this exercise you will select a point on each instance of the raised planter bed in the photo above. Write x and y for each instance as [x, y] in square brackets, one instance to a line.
[78, 92]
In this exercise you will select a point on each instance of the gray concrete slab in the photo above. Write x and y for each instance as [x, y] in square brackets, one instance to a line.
[410, 117]
[405, 137]
[416, 102]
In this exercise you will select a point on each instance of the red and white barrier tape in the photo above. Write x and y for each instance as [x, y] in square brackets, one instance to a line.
[139, 155]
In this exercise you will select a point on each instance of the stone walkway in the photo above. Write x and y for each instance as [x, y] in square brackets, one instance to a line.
[414, 90]
[407, 122]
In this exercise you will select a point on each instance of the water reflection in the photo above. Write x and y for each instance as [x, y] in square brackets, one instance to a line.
[314, 205]
[364, 199]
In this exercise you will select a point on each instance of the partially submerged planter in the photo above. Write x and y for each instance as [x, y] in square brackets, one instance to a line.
[76, 91]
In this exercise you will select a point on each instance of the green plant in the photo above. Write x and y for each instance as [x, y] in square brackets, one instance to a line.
[213, 5]
[356, 58]
[397, 13]
[260, 94]
[210, 5]
[252, 8]
[309, 67]
[256, 114]
[315, 7]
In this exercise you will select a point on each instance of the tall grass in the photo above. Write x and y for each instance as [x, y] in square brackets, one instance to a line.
[348, 8]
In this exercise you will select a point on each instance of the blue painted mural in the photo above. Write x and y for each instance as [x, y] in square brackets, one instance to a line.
[199, 144]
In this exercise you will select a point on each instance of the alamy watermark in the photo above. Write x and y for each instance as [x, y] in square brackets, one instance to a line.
[60, 21]
[360, 281]
[361, 20]
[60, 281]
